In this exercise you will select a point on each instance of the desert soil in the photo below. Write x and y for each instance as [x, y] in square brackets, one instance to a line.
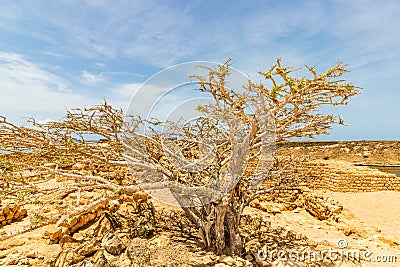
[377, 209]
[374, 215]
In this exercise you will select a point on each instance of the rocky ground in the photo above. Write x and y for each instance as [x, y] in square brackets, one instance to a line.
[138, 231]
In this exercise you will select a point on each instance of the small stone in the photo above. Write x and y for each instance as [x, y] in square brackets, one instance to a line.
[10, 216]
[53, 233]
[388, 241]
[50, 165]
[249, 257]
[78, 166]
[347, 231]
[68, 258]
[160, 241]
[228, 260]
[13, 261]
[113, 205]
[100, 259]
[6, 210]
[112, 244]
[60, 179]
[78, 236]
[240, 262]
[297, 210]
[32, 254]
[46, 209]
[15, 208]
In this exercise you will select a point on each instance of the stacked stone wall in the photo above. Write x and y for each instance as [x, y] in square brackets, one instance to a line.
[333, 175]
[340, 176]
[366, 152]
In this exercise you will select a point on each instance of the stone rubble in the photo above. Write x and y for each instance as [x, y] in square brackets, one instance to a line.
[320, 206]
[11, 213]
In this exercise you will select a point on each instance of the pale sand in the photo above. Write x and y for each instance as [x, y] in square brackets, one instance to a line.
[377, 209]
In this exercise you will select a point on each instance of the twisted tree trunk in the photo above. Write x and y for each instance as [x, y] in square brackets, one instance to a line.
[220, 232]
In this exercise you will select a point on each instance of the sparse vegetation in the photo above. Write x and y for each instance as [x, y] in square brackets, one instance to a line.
[282, 107]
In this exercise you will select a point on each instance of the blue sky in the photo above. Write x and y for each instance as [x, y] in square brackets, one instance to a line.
[56, 55]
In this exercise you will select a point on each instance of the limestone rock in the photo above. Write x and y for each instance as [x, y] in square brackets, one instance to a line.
[14, 260]
[112, 244]
[68, 258]
[84, 263]
[100, 260]
[55, 233]
[160, 241]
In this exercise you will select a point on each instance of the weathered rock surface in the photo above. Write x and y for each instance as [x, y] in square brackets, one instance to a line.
[10, 213]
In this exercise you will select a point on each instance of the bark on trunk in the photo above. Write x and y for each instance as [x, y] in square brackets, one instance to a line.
[221, 233]
[220, 212]
[235, 240]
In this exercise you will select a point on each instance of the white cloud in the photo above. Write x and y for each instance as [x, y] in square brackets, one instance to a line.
[100, 65]
[45, 121]
[14, 66]
[120, 95]
[125, 91]
[161, 34]
[92, 78]
[147, 35]
[56, 55]
[27, 90]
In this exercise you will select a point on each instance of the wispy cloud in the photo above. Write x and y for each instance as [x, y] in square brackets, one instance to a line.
[26, 89]
[92, 78]
[115, 44]
[99, 65]
[161, 34]
[57, 55]
[125, 91]
[120, 95]
[15, 67]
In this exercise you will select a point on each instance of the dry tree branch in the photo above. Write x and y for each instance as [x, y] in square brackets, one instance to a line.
[177, 158]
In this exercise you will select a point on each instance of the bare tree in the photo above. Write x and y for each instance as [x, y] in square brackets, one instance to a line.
[240, 126]
[213, 166]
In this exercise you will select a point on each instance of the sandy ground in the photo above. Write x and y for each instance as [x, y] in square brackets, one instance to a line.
[377, 209]
[373, 210]
[378, 212]
[375, 213]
